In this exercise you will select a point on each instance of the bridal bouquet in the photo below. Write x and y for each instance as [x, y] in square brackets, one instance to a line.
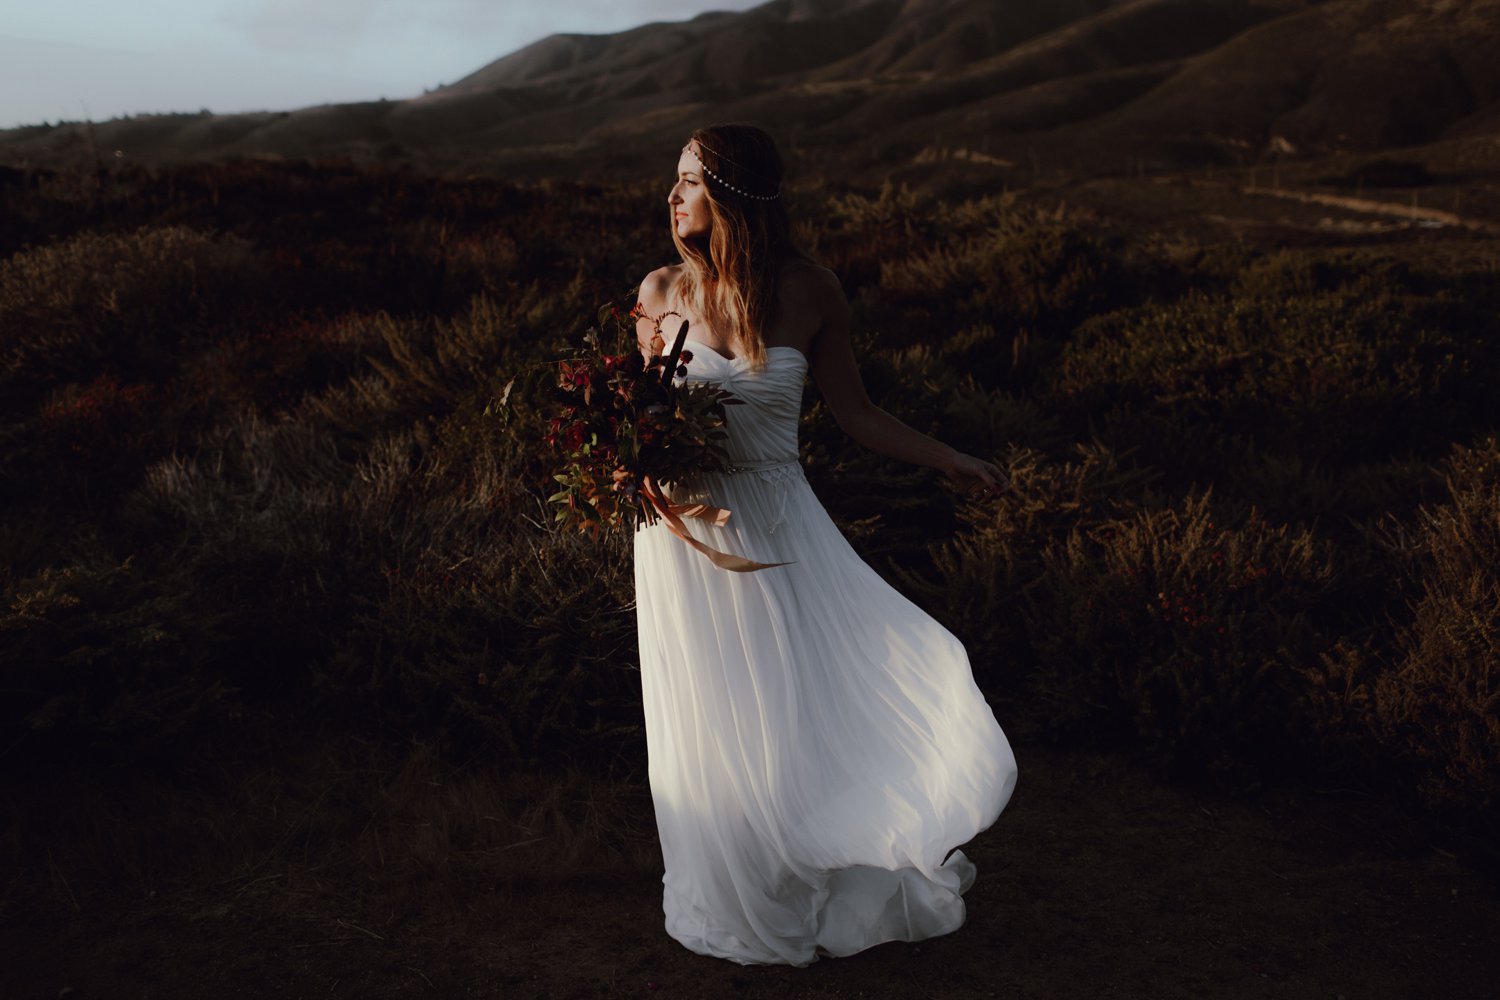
[624, 426]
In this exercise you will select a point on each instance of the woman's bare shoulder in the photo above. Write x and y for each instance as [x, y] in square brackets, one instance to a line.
[657, 286]
[809, 278]
[807, 282]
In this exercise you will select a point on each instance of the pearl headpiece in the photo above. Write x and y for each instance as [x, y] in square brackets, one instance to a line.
[719, 180]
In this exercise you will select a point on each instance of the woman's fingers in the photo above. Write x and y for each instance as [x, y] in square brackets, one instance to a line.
[984, 479]
[991, 483]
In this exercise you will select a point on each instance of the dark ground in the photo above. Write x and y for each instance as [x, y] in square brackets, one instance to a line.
[1098, 881]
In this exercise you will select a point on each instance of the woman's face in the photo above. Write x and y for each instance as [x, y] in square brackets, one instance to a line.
[689, 201]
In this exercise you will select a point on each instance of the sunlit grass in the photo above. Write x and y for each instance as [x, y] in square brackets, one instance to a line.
[248, 472]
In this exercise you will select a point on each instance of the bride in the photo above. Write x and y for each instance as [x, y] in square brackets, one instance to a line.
[817, 747]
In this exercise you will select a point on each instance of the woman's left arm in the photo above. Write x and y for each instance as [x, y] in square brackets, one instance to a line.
[833, 368]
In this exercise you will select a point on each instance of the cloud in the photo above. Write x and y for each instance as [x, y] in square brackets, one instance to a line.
[297, 26]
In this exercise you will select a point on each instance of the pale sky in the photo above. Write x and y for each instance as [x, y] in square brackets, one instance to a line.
[101, 59]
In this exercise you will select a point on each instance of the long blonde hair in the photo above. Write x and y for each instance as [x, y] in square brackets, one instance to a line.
[730, 277]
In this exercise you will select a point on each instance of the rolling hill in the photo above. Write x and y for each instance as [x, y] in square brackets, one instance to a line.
[859, 88]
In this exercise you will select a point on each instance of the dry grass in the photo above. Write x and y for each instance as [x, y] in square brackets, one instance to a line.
[302, 507]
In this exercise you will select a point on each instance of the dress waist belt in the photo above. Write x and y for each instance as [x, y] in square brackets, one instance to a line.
[757, 464]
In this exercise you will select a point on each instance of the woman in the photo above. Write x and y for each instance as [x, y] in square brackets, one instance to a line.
[817, 745]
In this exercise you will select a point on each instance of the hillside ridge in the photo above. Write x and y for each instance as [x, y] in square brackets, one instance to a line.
[861, 88]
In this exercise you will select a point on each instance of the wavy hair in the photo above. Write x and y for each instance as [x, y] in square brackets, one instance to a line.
[730, 276]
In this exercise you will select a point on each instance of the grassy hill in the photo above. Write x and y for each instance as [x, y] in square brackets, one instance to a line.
[860, 88]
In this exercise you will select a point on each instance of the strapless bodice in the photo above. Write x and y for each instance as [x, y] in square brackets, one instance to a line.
[762, 429]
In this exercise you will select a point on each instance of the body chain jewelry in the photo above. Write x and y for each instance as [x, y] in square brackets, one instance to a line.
[656, 320]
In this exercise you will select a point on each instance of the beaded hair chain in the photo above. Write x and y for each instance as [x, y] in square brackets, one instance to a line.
[737, 190]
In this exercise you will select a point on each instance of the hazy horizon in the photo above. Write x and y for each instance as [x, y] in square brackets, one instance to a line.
[71, 60]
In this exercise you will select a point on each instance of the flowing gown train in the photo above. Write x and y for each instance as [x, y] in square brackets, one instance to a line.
[817, 745]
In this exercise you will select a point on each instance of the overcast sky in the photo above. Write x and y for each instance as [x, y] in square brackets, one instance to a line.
[99, 59]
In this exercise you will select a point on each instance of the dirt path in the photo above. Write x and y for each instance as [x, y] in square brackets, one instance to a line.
[1371, 206]
[1098, 881]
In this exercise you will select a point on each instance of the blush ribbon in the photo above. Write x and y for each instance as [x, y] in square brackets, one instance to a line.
[673, 513]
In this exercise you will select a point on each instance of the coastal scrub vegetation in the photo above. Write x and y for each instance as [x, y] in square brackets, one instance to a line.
[251, 484]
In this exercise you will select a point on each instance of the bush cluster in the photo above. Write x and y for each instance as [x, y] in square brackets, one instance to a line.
[248, 471]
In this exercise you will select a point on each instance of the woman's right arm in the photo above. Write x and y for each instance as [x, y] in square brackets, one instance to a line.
[653, 302]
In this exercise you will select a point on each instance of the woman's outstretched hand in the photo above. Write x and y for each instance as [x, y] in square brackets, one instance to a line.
[979, 479]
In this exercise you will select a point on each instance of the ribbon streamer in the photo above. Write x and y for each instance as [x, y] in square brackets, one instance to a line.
[673, 513]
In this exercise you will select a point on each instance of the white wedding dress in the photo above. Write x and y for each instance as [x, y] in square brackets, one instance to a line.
[817, 745]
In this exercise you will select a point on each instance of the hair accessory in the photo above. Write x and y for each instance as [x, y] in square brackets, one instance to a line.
[739, 191]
